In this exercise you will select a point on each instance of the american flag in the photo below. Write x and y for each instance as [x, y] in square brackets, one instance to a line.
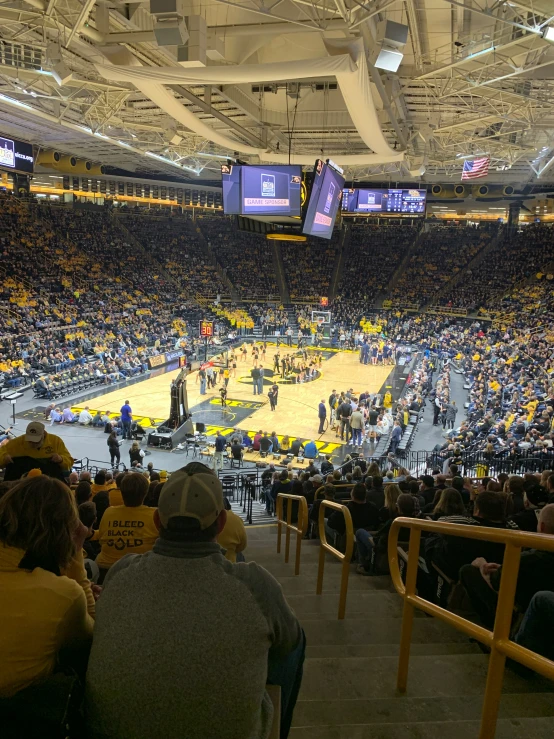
[476, 168]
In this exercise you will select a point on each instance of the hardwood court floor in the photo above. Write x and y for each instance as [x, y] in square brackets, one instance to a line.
[296, 413]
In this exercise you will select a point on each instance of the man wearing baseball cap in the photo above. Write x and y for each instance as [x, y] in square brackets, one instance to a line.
[185, 641]
[22, 452]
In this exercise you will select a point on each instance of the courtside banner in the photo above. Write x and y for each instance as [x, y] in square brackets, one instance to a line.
[160, 359]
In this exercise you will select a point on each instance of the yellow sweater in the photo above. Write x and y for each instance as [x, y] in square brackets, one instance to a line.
[233, 537]
[40, 613]
[51, 445]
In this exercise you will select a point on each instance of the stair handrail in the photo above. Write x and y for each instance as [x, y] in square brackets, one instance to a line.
[300, 530]
[498, 639]
[326, 547]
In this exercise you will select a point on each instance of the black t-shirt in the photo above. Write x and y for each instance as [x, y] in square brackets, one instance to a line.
[236, 450]
[373, 418]
[527, 519]
[377, 497]
[265, 443]
[296, 446]
[345, 410]
[428, 494]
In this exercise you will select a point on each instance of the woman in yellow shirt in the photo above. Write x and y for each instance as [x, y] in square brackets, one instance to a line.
[47, 602]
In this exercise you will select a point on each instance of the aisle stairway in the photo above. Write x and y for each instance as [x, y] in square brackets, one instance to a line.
[348, 690]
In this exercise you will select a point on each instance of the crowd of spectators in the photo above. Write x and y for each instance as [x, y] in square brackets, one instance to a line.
[514, 258]
[74, 288]
[309, 267]
[177, 244]
[246, 258]
[373, 256]
[441, 253]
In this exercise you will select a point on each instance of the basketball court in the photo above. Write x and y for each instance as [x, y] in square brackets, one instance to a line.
[297, 407]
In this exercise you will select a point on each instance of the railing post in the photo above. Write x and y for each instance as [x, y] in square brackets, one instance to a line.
[408, 612]
[287, 533]
[345, 574]
[302, 525]
[501, 633]
[323, 541]
[279, 513]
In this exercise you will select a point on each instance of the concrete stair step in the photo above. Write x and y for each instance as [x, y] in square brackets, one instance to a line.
[349, 678]
[324, 632]
[402, 709]
[365, 606]
[537, 728]
[331, 583]
[375, 651]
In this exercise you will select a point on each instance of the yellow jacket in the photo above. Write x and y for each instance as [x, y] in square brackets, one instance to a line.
[40, 614]
[51, 445]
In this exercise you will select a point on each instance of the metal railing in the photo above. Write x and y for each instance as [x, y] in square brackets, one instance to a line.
[326, 547]
[300, 529]
[499, 639]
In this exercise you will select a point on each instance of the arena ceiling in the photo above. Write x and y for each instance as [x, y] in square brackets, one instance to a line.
[476, 78]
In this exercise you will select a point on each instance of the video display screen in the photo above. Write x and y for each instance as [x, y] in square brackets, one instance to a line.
[324, 201]
[273, 190]
[16, 155]
[230, 181]
[261, 190]
[358, 200]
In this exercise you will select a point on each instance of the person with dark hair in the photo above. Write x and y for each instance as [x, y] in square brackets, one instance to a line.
[113, 447]
[328, 494]
[376, 494]
[450, 553]
[535, 497]
[127, 529]
[458, 484]
[365, 515]
[126, 419]
[327, 466]
[367, 542]
[481, 578]
[47, 603]
[186, 586]
[83, 492]
[427, 488]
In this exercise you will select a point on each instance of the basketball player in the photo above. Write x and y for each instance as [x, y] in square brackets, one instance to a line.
[223, 395]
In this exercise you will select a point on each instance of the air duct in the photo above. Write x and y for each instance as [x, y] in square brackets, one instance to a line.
[97, 169]
[444, 192]
[49, 159]
[481, 191]
[68, 162]
[493, 191]
[460, 191]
